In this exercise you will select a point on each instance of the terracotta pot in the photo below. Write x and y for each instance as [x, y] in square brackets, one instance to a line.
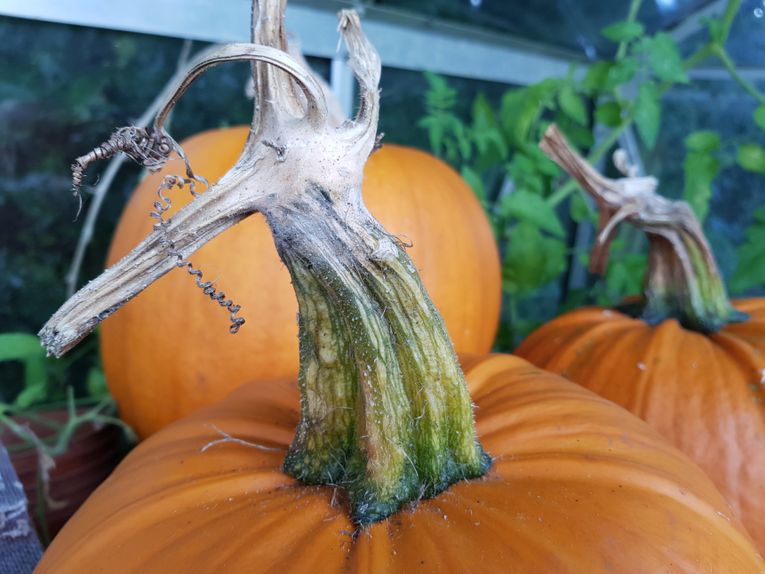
[92, 454]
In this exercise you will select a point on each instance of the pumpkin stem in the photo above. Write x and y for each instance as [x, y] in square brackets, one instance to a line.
[385, 411]
[682, 281]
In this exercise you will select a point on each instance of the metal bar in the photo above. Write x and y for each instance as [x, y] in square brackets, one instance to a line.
[403, 40]
[343, 84]
[721, 74]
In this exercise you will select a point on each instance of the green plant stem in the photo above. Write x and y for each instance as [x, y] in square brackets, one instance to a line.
[730, 66]
[731, 9]
[631, 16]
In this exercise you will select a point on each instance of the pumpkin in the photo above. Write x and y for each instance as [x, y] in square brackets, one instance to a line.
[375, 454]
[689, 365]
[577, 485]
[414, 194]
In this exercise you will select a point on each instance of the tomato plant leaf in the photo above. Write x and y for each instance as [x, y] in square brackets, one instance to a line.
[572, 105]
[751, 157]
[527, 206]
[623, 31]
[648, 113]
[700, 171]
[703, 141]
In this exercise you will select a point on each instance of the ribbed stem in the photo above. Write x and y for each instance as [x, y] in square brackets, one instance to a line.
[682, 280]
[385, 409]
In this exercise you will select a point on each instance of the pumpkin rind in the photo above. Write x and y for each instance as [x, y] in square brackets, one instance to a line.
[704, 393]
[577, 486]
[414, 195]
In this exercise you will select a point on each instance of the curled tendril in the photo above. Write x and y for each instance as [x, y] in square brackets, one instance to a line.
[150, 149]
[163, 204]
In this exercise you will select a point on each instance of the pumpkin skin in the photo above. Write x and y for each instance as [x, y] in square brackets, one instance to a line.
[704, 393]
[413, 194]
[578, 485]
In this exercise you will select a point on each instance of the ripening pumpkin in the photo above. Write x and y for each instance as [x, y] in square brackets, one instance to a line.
[577, 486]
[682, 359]
[415, 195]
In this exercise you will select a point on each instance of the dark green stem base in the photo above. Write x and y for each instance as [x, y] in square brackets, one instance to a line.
[385, 411]
[683, 282]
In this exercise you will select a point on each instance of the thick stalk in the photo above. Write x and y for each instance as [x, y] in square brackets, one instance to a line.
[682, 281]
[385, 411]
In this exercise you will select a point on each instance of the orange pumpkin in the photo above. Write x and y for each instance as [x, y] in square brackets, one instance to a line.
[703, 391]
[416, 196]
[577, 486]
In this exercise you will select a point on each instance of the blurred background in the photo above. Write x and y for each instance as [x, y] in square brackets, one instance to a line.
[678, 84]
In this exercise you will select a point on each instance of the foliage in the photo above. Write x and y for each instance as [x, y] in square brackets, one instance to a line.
[533, 212]
[751, 257]
[43, 389]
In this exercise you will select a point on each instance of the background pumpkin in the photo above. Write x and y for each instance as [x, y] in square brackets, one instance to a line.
[415, 196]
[704, 391]
[577, 485]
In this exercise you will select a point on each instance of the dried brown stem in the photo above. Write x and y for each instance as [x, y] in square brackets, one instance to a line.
[316, 107]
[104, 184]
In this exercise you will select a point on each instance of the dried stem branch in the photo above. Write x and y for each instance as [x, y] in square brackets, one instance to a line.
[316, 107]
[103, 186]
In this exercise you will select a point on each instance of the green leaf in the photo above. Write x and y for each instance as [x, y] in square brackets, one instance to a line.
[540, 161]
[623, 31]
[531, 260]
[518, 111]
[580, 209]
[96, 383]
[595, 78]
[750, 270]
[648, 113]
[474, 181]
[440, 95]
[609, 114]
[716, 29]
[625, 276]
[572, 105]
[751, 157]
[621, 73]
[700, 171]
[486, 135]
[759, 116]
[665, 58]
[31, 394]
[703, 141]
[26, 348]
[527, 206]
[521, 108]
[483, 115]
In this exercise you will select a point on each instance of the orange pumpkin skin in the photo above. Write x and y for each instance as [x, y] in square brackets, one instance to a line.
[705, 393]
[578, 485]
[413, 194]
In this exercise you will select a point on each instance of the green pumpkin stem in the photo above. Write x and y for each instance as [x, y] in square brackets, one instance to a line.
[682, 281]
[385, 411]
